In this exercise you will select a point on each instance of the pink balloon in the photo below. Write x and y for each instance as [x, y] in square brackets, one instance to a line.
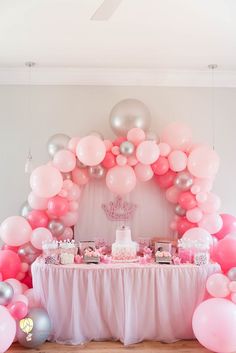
[64, 160]
[164, 149]
[37, 203]
[233, 297]
[147, 152]
[15, 231]
[161, 166]
[67, 234]
[183, 225]
[24, 267]
[7, 329]
[67, 184]
[203, 184]
[72, 144]
[177, 161]
[91, 150]
[20, 276]
[70, 219]
[46, 181]
[20, 298]
[214, 323]
[143, 172]
[229, 226]
[18, 310]
[121, 160]
[9, 264]
[232, 286]
[217, 285]
[167, 180]
[121, 180]
[136, 135]
[115, 150]
[194, 215]
[80, 176]
[132, 161]
[201, 197]
[118, 141]
[177, 135]
[74, 193]
[211, 222]
[33, 302]
[39, 235]
[108, 144]
[225, 253]
[187, 200]
[172, 194]
[109, 161]
[73, 206]
[16, 285]
[198, 234]
[195, 189]
[37, 218]
[203, 162]
[211, 205]
[58, 206]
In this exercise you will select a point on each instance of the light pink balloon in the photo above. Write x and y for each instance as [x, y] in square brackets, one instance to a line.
[24, 267]
[121, 160]
[203, 162]
[147, 152]
[39, 235]
[80, 176]
[121, 180]
[211, 222]
[67, 184]
[201, 197]
[7, 329]
[204, 184]
[177, 135]
[194, 215]
[164, 149]
[217, 285]
[72, 144]
[20, 276]
[195, 189]
[177, 161]
[132, 161]
[211, 205]
[65, 161]
[20, 298]
[232, 286]
[115, 150]
[108, 144]
[91, 150]
[36, 202]
[15, 231]
[143, 172]
[74, 193]
[73, 206]
[214, 323]
[46, 181]
[33, 302]
[172, 194]
[198, 234]
[136, 135]
[70, 219]
[16, 285]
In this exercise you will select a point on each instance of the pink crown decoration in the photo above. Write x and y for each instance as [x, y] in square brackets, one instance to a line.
[119, 210]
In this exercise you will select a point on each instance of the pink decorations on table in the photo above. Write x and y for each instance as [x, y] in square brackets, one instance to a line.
[119, 210]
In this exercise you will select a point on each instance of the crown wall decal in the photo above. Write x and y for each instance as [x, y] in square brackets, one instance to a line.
[119, 210]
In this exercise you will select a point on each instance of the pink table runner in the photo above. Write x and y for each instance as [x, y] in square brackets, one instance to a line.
[126, 302]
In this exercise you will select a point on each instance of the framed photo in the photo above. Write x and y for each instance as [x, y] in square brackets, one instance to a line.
[163, 246]
[87, 244]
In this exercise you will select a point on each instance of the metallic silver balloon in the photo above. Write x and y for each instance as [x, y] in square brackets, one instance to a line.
[127, 148]
[56, 143]
[184, 181]
[6, 293]
[28, 253]
[25, 209]
[34, 329]
[180, 211]
[96, 172]
[232, 274]
[152, 136]
[56, 227]
[127, 114]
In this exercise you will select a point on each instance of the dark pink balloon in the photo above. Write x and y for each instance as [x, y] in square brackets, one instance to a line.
[109, 161]
[58, 206]
[187, 200]
[183, 225]
[161, 166]
[229, 226]
[225, 253]
[119, 141]
[167, 180]
[37, 218]
[18, 310]
[10, 264]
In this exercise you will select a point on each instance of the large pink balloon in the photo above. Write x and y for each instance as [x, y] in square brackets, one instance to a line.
[177, 135]
[218, 285]
[212, 222]
[143, 172]
[65, 161]
[203, 162]
[121, 180]
[147, 152]
[46, 181]
[214, 323]
[229, 226]
[7, 329]
[177, 161]
[80, 176]
[225, 253]
[91, 150]
[10, 264]
[172, 194]
[15, 231]
[58, 206]
[37, 203]
[40, 235]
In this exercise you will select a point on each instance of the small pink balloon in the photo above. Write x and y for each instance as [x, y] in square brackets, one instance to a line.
[211, 204]
[217, 285]
[67, 184]
[74, 193]
[204, 184]
[18, 310]
[24, 267]
[39, 235]
[37, 203]
[232, 286]
[177, 161]
[63, 193]
[46, 181]
[65, 161]
[108, 144]
[72, 144]
[109, 161]
[167, 180]
[80, 176]
[37, 218]
[201, 197]
[203, 162]
[20, 298]
[15, 231]
[136, 135]
[20, 276]
[143, 172]
[58, 206]
[147, 152]
[161, 166]
[195, 189]
[132, 161]
[115, 150]
[91, 150]
[16, 285]
[198, 234]
[164, 149]
[187, 200]
[30, 295]
[194, 215]
[121, 180]
[172, 194]
[70, 219]
[73, 206]
[121, 160]
[211, 222]
[177, 135]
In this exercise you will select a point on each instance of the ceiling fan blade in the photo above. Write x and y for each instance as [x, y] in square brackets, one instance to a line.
[105, 10]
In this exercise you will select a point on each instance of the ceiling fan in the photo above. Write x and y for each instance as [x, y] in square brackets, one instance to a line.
[105, 10]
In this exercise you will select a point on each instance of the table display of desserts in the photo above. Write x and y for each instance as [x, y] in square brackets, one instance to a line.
[125, 250]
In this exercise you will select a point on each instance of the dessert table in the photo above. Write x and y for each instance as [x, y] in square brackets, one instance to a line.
[126, 302]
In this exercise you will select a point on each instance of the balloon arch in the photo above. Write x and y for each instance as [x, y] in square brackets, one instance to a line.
[184, 170]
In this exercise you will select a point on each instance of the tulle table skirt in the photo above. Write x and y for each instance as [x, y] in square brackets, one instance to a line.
[126, 302]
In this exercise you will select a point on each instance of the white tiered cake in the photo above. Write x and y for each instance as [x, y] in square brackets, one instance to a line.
[124, 249]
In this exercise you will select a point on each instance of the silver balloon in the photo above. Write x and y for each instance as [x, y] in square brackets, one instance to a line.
[6, 293]
[28, 253]
[184, 181]
[56, 143]
[180, 211]
[127, 114]
[96, 172]
[127, 148]
[152, 136]
[25, 209]
[34, 329]
[56, 227]
[232, 274]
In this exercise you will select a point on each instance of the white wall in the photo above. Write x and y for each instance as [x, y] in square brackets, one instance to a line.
[76, 110]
